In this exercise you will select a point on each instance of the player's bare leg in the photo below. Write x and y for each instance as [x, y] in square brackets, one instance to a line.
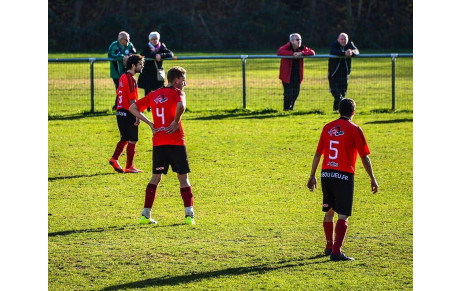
[328, 225]
[341, 228]
[187, 197]
[150, 194]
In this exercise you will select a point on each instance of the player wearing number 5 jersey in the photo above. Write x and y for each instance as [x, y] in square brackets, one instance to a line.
[168, 105]
[340, 143]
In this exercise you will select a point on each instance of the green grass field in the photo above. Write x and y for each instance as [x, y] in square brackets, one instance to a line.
[258, 227]
[217, 85]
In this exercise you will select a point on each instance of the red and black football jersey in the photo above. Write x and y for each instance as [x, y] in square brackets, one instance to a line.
[163, 103]
[340, 143]
[127, 90]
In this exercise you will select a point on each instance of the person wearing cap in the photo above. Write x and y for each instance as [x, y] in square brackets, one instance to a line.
[117, 51]
[152, 77]
[291, 70]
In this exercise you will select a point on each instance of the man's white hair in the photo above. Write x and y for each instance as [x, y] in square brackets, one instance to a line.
[123, 34]
[291, 36]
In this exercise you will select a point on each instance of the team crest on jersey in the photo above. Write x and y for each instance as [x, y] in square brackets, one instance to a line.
[160, 99]
[335, 131]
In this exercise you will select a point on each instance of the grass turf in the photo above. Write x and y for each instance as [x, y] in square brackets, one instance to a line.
[258, 226]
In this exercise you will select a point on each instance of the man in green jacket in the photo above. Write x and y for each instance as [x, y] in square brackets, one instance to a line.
[117, 50]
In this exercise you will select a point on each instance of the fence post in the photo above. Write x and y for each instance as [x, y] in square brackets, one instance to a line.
[393, 81]
[91, 74]
[243, 63]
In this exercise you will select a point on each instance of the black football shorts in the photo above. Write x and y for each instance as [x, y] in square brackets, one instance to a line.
[125, 121]
[338, 190]
[174, 155]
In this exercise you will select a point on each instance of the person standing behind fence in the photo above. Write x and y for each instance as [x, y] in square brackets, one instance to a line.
[291, 70]
[168, 106]
[340, 143]
[117, 50]
[128, 124]
[339, 68]
[153, 75]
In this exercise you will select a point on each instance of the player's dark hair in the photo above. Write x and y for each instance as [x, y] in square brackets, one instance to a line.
[133, 60]
[175, 72]
[346, 107]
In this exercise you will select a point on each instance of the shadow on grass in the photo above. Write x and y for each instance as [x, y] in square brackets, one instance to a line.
[80, 176]
[80, 115]
[390, 121]
[253, 114]
[184, 279]
[110, 228]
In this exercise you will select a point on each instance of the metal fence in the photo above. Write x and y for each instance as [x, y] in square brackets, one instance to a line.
[377, 82]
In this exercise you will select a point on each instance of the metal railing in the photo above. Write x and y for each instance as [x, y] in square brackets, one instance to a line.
[244, 59]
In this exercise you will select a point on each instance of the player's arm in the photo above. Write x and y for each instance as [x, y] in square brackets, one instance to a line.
[311, 184]
[368, 166]
[174, 125]
[137, 119]
[139, 115]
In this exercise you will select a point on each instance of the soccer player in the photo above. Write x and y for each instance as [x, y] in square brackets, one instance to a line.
[127, 123]
[168, 106]
[340, 143]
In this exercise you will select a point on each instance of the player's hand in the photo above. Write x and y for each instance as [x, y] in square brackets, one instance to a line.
[374, 186]
[138, 121]
[172, 127]
[311, 183]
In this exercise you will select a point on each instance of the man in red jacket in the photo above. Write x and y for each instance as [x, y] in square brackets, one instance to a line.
[291, 70]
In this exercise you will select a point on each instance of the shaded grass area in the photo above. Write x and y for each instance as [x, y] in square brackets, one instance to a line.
[258, 226]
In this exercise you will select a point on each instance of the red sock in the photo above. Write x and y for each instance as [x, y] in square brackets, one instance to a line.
[329, 232]
[150, 194]
[340, 231]
[187, 196]
[130, 152]
[119, 149]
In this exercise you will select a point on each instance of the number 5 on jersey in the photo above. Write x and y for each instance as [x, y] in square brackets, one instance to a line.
[333, 149]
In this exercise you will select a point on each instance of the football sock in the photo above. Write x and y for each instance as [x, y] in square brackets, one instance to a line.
[119, 149]
[130, 152]
[329, 232]
[146, 212]
[150, 194]
[187, 196]
[189, 211]
[340, 231]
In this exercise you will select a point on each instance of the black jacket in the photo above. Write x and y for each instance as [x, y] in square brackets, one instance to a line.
[149, 73]
[341, 65]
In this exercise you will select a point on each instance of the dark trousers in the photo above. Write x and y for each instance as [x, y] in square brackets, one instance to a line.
[291, 92]
[338, 85]
[115, 81]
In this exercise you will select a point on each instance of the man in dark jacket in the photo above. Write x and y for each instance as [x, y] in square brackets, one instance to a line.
[149, 79]
[340, 68]
[291, 70]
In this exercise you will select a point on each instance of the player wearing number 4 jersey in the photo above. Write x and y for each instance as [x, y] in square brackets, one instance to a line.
[340, 143]
[168, 105]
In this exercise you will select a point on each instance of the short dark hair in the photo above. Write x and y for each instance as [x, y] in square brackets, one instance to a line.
[347, 106]
[175, 72]
[133, 60]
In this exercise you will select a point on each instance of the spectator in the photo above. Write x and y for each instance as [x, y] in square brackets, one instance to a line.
[291, 70]
[117, 50]
[339, 68]
[340, 143]
[150, 79]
